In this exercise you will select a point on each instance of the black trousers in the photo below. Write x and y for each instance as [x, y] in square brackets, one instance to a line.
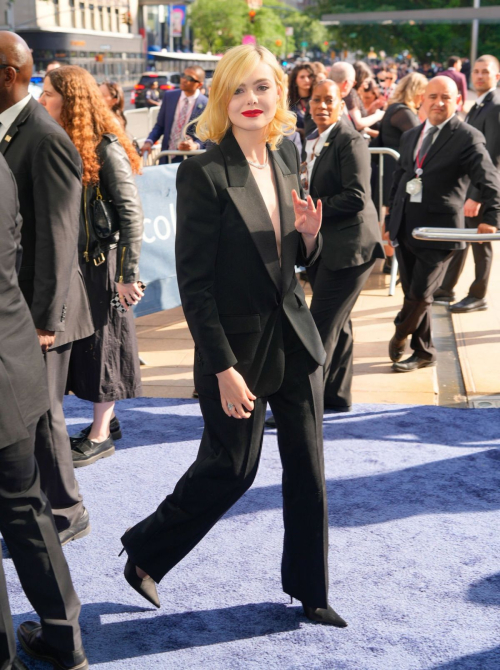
[225, 468]
[53, 448]
[334, 295]
[28, 528]
[483, 260]
[421, 271]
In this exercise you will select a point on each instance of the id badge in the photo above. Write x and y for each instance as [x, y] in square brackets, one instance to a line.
[414, 189]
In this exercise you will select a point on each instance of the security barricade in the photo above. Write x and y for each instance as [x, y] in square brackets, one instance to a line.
[454, 235]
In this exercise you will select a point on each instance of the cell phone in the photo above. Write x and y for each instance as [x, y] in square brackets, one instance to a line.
[115, 300]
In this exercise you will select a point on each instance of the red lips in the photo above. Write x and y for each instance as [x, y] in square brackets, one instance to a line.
[252, 113]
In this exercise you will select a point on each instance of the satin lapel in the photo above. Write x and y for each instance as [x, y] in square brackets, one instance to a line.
[286, 181]
[324, 150]
[441, 140]
[14, 129]
[247, 199]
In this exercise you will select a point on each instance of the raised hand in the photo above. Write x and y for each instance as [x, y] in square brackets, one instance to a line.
[307, 216]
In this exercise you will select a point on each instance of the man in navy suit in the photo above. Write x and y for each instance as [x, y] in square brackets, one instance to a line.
[177, 109]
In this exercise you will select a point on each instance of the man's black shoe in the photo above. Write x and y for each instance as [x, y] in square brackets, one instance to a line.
[338, 408]
[114, 429]
[18, 664]
[444, 296]
[79, 529]
[396, 348]
[469, 304]
[413, 363]
[271, 422]
[88, 451]
[30, 636]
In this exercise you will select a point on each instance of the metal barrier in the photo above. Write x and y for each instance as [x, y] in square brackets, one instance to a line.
[385, 151]
[454, 235]
[171, 153]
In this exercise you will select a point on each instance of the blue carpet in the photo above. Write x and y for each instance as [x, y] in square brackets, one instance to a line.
[414, 500]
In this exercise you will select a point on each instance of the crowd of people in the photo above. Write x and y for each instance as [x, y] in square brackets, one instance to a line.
[250, 209]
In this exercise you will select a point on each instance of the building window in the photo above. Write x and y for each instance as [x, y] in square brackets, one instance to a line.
[82, 15]
[57, 18]
[72, 13]
[92, 17]
[110, 20]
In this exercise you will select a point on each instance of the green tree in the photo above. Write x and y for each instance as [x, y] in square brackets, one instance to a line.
[218, 24]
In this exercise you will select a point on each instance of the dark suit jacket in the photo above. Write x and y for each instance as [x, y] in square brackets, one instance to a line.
[457, 155]
[23, 388]
[47, 168]
[487, 120]
[341, 179]
[165, 118]
[232, 287]
[459, 80]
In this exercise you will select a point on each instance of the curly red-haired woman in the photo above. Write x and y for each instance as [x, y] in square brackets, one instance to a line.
[104, 368]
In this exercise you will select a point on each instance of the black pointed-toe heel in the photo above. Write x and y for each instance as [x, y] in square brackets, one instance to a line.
[326, 616]
[145, 587]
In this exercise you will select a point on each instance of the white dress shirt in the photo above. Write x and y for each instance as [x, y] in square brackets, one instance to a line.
[427, 126]
[313, 149]
[8, 117]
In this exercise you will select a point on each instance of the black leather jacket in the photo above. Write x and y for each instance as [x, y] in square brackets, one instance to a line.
[117, 184]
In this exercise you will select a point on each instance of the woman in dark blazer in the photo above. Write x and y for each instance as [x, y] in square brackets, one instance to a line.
[338, 165]
[241, 228]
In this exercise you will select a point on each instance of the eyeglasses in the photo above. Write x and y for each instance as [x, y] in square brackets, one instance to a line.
[2, 67]
[188, 77]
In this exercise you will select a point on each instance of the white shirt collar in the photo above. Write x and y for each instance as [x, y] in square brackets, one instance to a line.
[481, 98]
[8, 117]
[440, 127]
[190, 97]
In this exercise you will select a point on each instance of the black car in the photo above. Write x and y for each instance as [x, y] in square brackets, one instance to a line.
[167, 81]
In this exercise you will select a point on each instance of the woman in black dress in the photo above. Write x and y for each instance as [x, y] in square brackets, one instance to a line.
[104, 367]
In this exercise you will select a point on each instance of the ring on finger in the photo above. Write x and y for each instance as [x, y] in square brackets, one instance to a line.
[230, 406]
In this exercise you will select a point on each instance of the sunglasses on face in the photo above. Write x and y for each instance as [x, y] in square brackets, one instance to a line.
[188, 77]
[2, 67]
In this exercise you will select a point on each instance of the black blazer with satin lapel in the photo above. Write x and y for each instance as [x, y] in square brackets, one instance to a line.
[47, 169]
[457, 155]
[232, 287]
[23, 392]
[341, 179]
[487, 121]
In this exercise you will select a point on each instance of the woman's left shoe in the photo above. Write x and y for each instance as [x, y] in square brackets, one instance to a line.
[88, 451]
[326, 616]
[145, 587]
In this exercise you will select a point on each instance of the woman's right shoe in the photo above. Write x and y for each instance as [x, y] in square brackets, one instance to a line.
[326, 616]
[114, 429]
[145, 587]
[87, 451]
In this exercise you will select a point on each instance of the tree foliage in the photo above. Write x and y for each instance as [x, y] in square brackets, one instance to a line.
[426, 42]
[220, 24]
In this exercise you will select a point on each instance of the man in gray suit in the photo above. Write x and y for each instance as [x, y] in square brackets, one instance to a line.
[47, 169]
[26, 521]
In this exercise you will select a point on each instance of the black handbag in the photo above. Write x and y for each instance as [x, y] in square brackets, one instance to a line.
[105, 218]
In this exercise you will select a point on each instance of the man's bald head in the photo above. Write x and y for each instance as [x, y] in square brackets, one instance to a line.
[440, 99]
[344, 75]
[16, 66]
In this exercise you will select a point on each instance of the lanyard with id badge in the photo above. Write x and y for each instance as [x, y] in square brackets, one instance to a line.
[414, 186]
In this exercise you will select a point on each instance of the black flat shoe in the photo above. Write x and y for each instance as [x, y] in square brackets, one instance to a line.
[87, 451]
[338, 408]
[145, 587]
[413, 363]
[30, 636]
[79, 529]
[270, 423]
[328, 616]
[114, 429]
[442, 296]
[469, 304]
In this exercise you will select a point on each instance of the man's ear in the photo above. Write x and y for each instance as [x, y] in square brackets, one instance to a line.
[459, 100]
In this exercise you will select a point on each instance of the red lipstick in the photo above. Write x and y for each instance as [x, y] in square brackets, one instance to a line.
[252, 113]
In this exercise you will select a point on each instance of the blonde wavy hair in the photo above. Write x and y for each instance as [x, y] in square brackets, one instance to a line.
[86, 118]
[408, 88]
[233, 67]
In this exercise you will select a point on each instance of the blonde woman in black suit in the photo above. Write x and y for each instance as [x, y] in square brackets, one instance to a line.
[241, 228]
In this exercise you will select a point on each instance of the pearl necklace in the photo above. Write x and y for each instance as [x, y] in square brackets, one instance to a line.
[259, 166]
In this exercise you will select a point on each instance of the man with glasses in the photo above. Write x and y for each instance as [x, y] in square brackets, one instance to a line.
[177, 109]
